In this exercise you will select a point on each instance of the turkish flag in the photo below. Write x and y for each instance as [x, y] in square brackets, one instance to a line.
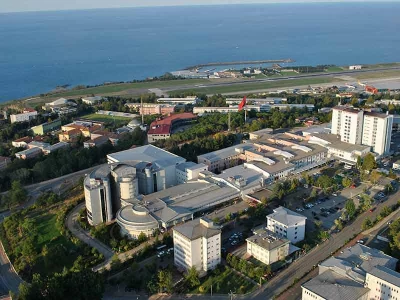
[242, 104]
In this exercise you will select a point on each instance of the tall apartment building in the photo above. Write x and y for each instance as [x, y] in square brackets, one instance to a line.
[348, 123]
[383, 283]
[287, 223]
[355, 126]
[197, 243]
[377, 131]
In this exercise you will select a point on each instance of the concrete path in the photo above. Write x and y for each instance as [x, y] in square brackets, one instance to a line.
[84, 236]
[9, 279]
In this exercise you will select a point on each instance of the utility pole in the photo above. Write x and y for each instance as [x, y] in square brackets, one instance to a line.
[141, 109]
[245, 115]
[229, 120]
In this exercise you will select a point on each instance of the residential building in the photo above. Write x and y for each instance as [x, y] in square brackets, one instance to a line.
[28, 153]
[383, 283]
[46, 127]
[358, 272]
[356, 67]
[268, 100]
[377, 131]
[96, 142]
[92, 100]
[189, 171]
[55, 147]
[197, 244]
[27, 115]
[268, 247]
[4, 161]
[162, 128]
[288, 224]
[250, 107]
[185, 101]
[36, 144]
[347, 123]
[69, 136]
[22, 142]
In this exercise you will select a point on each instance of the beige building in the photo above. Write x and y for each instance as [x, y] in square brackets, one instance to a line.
[268, 247]
[197, 243]
[384, 283]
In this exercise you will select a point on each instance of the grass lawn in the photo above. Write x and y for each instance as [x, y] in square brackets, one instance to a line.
[244, 87]
[115, 88]
[334, 69]
[379, 74]
[225, 282]
[289, 73]
[119, 121]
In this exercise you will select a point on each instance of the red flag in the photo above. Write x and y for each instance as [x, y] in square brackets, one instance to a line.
[242, 104]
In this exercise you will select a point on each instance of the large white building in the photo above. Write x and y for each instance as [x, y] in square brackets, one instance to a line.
[348, 124]
[377, 131]
[26, 115]
[268, 247]
[287, 223]
[355, 126]
[197, 244]
[357, 273]
[189, 171]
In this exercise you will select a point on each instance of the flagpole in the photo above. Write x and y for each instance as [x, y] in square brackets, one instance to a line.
[245, 115]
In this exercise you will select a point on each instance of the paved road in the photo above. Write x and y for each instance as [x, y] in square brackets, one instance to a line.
[9, 280]
[230, 83]
[81, 234]
[303, 265]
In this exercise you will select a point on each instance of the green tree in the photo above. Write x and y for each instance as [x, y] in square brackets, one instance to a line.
[346, 182]
[313, 193]
[359, 162]
[339, 224]
[325, 181]
[366, 224]
[192, 277]
[17, 194]
[350, 208]
[323, 235]
[374, 176]
[142, 237]
[369, 162]
[165, 281]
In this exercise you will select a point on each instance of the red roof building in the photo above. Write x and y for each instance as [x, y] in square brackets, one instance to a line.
[162, 128]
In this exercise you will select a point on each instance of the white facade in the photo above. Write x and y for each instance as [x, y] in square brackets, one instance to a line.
[197, 243]
[377, 132]
[189, 171]
[355, 67]
[25, 116]
[288, 224]
[267, 248]
[98, 201]
[92, 100]
[347, 123]
[384, 284]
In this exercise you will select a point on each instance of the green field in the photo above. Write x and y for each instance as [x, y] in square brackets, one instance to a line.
[225, 282]
[119, 121]
[334, 69]
[377, 75]
[248, 87]
[115, 88]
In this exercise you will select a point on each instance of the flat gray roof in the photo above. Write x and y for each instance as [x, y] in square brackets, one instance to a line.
[336, 143]
[286, 216]
[148, 153]
[332, 286]
[225, 153]
[272, 169]
[250, 176]
[386, 274]
[195, 229]
[267, 240]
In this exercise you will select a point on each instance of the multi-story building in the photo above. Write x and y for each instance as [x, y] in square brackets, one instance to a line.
[69, 136]
[92, 100]
[28, 153]
[4, 161]
[27, 115]
[189, 171]
[287, 223]
[359, 273]
[36, 144]
[152, 109]
[197, 244]
[55, 147]
[268, 247]
[162, 128]
[22, 142]
[383, 283]
[46, 127]
[347, 122]
[184, 101]
[377, 132]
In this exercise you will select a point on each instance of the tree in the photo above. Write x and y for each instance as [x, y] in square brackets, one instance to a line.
[350, 208]
[370, 100]
[323, 235]
[339, 224]
[375, 176]
[369, 162]
[142, 237]
[17, 194]
[346, 182]
[314, 193]
[366, 224]
[192, 277]
[359, 162]
[325, 181]
[165, 281]
[367, 202]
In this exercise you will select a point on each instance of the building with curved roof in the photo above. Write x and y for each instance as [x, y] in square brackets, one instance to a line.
[134, 219]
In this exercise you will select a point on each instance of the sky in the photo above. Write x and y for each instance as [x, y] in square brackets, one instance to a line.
[39, 5]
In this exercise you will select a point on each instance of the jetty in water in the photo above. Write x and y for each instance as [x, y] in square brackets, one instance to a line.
[241, 62]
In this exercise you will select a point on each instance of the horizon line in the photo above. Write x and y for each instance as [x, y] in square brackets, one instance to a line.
[209, 4]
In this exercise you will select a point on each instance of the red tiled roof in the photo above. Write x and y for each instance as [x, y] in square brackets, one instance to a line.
[72, 132]
[23, 139]
[163, 126]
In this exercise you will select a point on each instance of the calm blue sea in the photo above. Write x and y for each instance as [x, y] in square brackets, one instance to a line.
[39, 51]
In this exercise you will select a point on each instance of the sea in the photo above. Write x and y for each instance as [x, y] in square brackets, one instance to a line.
[42, 50]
